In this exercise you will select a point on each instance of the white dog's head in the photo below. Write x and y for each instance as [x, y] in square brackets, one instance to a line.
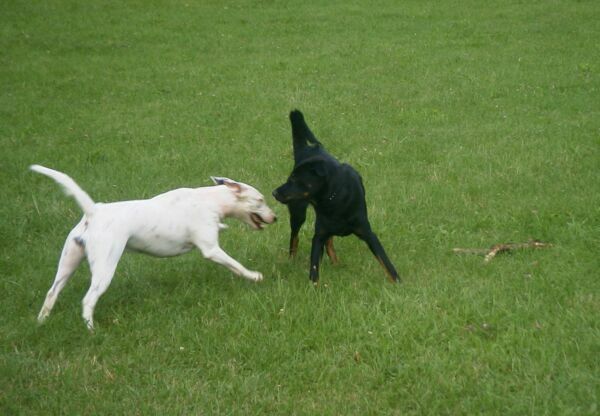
[250, 205]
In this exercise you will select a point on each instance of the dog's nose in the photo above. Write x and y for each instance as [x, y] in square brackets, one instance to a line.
[274, 194]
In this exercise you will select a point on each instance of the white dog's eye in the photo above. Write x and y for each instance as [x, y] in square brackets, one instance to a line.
[256, 203]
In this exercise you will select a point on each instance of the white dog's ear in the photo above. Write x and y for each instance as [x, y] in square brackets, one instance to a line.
[231, 184]
[218, 180]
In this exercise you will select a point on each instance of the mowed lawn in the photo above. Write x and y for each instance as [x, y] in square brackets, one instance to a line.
[472, 123]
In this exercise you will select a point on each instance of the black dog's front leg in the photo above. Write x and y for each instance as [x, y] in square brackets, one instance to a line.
[297, 211]
[377, 249]
[316, 252]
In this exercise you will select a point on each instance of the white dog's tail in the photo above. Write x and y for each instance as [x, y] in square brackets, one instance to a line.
[69, 187]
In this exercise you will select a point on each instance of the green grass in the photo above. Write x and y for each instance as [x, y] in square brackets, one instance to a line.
[472, 123]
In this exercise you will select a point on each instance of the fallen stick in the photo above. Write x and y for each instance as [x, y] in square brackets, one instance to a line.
[491, 252]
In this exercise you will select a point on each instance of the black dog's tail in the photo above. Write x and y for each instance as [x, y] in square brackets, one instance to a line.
[300, 132]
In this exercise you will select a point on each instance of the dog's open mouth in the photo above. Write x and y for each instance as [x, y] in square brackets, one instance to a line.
[257, 221]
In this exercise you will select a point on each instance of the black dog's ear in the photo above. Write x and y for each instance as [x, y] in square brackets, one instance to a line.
[317, 163]
[320, 168]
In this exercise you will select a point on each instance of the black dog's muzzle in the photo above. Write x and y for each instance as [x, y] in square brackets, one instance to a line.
[280, 198]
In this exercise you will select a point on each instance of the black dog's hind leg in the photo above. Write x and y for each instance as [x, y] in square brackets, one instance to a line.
[297, 211]
[376, 248]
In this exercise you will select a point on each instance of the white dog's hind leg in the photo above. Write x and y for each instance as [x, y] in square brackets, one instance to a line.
[72, 254]
[103, 261]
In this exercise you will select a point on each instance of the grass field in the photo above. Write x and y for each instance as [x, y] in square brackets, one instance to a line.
[472, 123]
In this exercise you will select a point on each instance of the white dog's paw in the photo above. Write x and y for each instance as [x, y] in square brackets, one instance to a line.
[42, 316]
[89, 325]
[44, 313]
[255, 276]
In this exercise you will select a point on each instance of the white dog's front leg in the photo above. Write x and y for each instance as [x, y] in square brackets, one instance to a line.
[217, 255]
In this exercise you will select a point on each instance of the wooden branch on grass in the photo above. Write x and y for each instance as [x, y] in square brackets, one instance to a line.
[491, 252]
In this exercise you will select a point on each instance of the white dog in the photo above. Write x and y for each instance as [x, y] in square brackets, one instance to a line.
[169, 224]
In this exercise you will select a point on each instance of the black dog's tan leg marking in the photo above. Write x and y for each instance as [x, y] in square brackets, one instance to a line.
[331, 251]
[294, 245]
[391, 278]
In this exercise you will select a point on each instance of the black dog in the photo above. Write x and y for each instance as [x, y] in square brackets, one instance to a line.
[336, 192]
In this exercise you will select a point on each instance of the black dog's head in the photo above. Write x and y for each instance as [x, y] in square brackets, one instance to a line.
[306, 182]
